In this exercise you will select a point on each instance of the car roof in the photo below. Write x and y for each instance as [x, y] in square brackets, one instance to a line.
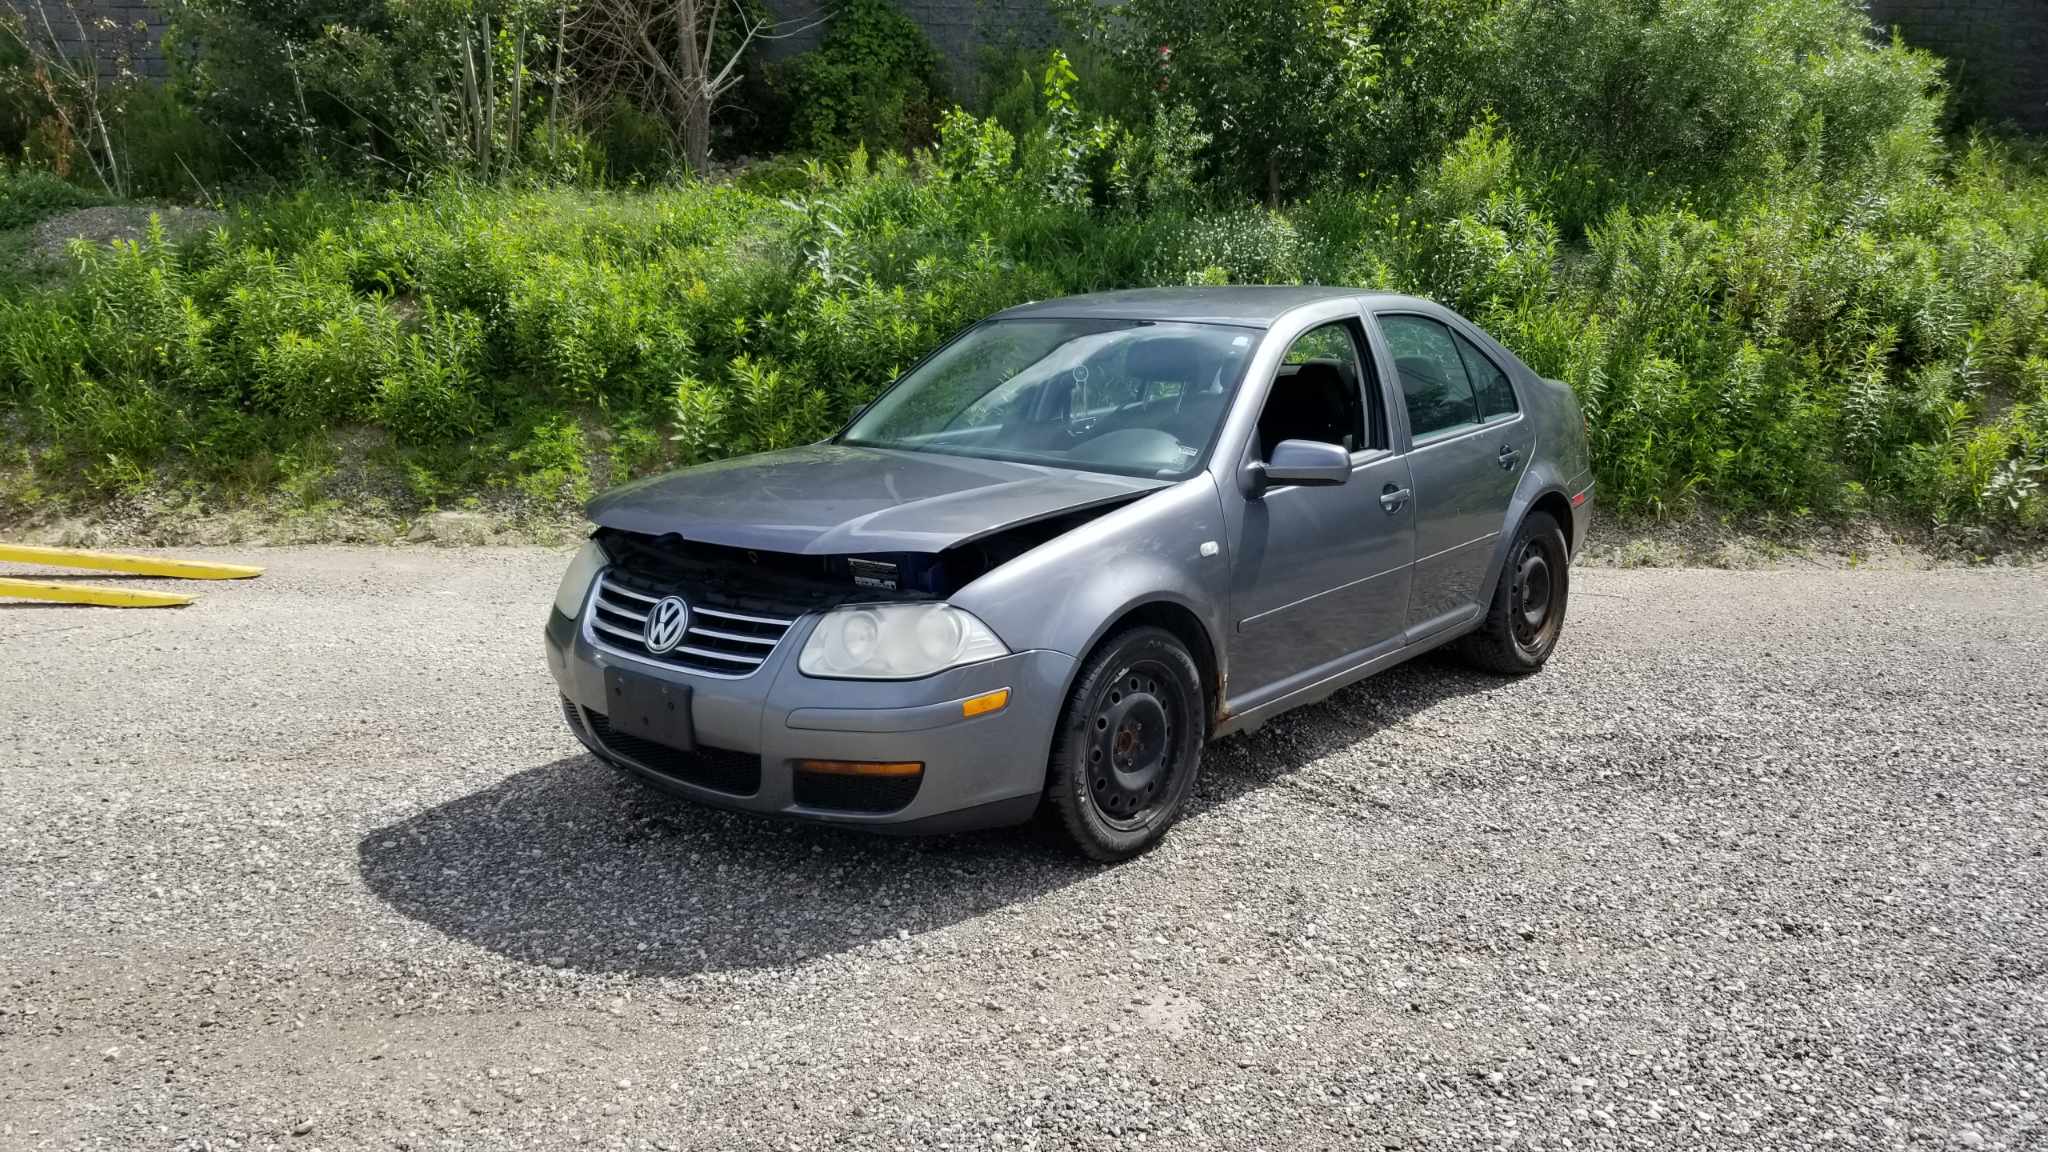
[1252, 305]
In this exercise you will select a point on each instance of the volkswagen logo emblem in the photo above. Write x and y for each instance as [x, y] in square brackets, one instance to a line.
[666, 623]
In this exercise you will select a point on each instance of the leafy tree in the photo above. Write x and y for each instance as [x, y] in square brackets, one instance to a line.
[1283, 86]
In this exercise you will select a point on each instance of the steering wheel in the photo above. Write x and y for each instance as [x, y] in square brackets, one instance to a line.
[1133, 447]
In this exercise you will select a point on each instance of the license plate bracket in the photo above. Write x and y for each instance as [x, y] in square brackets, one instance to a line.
[652, 709]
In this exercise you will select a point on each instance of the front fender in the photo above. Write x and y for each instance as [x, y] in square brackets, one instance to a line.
[1065, 594]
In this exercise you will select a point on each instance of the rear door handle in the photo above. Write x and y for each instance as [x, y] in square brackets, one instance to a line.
[1391, 498]
[1508, 455]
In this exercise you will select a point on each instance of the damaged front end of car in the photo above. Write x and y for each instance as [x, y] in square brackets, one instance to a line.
[789, 584]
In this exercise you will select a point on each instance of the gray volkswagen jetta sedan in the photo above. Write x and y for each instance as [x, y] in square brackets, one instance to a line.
[1064, 551]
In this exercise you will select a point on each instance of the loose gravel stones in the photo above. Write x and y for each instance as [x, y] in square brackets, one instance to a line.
[1757, 862]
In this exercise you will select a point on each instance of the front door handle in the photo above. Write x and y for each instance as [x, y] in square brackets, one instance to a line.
[1391, 498]
[1508, 455]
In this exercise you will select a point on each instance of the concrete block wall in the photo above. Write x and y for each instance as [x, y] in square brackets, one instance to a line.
[118, 33]
[1997, 51]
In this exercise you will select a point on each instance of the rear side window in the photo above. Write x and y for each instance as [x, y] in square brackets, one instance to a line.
[1496, 396]
[1434, 383]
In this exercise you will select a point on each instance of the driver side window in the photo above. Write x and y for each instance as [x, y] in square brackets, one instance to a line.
[1316, 392]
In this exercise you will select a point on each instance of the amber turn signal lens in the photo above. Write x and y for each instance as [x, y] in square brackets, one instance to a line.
[862, 767]
[985, 703]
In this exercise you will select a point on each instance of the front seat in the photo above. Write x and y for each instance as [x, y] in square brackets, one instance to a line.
[1178, 360]
[1309, 405]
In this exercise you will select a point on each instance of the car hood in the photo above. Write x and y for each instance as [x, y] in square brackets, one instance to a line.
[835, 499]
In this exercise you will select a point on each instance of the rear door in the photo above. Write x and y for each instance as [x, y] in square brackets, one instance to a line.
[1467, 447]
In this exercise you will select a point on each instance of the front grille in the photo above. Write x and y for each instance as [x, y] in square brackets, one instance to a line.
[720, 642]
[848, 793]
[719, 769]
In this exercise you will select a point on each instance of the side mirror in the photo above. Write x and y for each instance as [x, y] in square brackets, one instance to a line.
[1308, 463]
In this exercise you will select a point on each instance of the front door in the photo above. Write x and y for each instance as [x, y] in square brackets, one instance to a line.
[1320, 574]
[1470, 446]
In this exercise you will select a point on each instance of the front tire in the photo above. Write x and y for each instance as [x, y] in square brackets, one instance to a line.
[1128, 746]
[1527, 613]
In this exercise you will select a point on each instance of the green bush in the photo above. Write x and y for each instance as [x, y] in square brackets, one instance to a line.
[874, 80]
[1695, 100]
[1612, 101]
[168, 150]
[383, 90]
[633, 144]
[1288, 86]
[32, 195]
[1824, 347]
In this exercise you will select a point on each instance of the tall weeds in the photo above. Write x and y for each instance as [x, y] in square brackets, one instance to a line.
[1863, 337]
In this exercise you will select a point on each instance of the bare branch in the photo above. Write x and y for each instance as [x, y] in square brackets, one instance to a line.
[666, 55]
[786, 29]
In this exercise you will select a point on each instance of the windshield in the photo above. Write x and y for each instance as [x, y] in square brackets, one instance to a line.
[1137, 397]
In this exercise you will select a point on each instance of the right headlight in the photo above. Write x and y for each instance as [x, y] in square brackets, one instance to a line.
[589, 561]
[896, 642]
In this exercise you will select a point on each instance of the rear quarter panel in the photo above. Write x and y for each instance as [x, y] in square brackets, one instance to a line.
[1559, 462]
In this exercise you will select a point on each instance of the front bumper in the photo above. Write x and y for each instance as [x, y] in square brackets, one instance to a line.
[980, 772]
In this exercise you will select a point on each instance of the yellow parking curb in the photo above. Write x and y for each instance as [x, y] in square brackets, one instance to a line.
[90, 594]
[116, 562]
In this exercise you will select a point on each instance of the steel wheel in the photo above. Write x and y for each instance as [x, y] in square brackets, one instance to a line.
[1128, 747]
[1131, 750]
[1525, 617]
[1533, 603]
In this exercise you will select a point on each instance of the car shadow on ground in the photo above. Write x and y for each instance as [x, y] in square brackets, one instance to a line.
[1354, 715]
[573, 864]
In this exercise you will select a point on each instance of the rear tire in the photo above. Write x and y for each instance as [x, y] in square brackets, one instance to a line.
[1526, 616]
[1128, 746]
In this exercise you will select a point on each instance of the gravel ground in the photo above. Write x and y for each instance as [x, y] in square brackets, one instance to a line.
[1756, 863]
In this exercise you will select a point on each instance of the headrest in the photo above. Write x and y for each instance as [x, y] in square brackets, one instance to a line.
[1320, 375]
[1420, 368]
[1165, 358]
